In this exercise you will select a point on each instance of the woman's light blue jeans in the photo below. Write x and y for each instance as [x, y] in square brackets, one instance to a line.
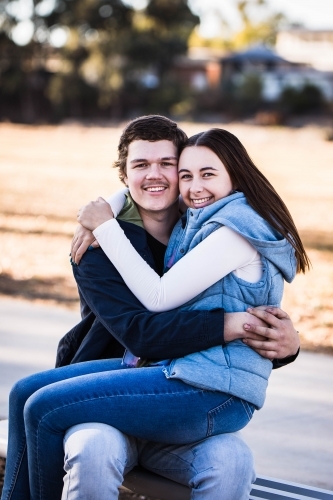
[139, 402]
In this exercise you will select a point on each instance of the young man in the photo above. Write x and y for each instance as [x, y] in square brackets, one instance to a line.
[97, 456]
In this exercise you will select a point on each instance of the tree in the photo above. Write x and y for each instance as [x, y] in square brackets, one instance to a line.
[263, 31]
[93, 54]
[258, 26]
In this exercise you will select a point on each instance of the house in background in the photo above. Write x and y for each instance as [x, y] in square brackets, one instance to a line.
[276, 72]
[200, 69]
[311, 47]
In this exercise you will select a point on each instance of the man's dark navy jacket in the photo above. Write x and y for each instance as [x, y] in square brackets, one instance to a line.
[113, 318]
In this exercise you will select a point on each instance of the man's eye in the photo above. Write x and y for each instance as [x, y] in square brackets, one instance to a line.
[140, 165]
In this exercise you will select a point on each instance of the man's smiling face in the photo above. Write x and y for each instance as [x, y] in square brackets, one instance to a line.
[151, 174]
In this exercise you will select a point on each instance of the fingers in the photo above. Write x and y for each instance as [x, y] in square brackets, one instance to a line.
[266, 316]
[279, 338]
[264, 345]
[80, 242]
[72, 246]
[262, 331]
[267, 354]
[80, 251]
[94, 214]
[82, 246]
[75, 246]
[275, 311]
[74, 243]
[254, 336]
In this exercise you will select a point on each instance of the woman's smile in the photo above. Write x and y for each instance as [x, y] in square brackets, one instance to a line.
[203, 179]
[202, 202]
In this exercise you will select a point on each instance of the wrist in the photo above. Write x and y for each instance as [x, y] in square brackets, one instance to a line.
[233, 326]
[103, 226]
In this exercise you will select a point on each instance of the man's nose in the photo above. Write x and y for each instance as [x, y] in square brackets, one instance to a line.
[154, 172]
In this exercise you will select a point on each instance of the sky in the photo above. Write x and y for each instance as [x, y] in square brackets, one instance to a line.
[313, 14]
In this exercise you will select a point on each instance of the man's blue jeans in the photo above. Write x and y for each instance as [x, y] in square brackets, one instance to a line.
[98, 456]
[139, 402]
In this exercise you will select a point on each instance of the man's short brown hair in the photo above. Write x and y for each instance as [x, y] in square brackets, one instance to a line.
[147, 128]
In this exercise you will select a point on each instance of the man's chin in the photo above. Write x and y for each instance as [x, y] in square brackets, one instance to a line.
[157, 205]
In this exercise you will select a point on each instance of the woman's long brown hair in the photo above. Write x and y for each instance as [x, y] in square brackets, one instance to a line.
[259, 192]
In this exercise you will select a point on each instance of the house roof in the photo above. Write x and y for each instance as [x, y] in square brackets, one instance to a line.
[255, 54]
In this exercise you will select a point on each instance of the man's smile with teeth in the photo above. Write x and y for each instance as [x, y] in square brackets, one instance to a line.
[157, 188]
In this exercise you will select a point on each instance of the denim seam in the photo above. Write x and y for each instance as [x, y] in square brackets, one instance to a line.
[246, 408]
[246, 371]
[212, 412]
[166, 452]
[16, 473]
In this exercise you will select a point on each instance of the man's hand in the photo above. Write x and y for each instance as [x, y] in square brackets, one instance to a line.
[277, 340]
[94, 214]
[82, 239]
[234, 325]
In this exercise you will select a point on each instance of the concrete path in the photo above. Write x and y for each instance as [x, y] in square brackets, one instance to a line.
[29, 335]
[291, 437]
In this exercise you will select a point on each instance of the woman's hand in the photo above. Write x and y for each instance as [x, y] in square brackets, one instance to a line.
[278, 340]
[83, 238]
[94, 214]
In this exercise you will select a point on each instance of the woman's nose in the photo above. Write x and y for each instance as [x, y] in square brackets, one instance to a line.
[196, 187]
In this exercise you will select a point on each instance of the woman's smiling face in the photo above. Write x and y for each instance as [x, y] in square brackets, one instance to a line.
[203, 179]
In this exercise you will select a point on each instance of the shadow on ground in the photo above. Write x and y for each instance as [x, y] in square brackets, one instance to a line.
[55, 289]
[317, 240]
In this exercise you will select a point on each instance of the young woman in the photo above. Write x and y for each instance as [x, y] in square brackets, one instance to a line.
[253, 245]
[240, 242]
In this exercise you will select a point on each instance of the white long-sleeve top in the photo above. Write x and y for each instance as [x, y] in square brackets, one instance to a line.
[117, 201]
[222, 252]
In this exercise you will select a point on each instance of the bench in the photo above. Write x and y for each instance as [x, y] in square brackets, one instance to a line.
[146, 483]
[154, 486]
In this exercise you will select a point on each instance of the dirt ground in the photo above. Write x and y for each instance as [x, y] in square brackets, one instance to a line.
[48, 172]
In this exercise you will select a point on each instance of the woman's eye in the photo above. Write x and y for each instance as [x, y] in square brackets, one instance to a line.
[207, 174]
[185, 176]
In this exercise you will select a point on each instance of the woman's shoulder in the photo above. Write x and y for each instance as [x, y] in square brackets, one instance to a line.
[239, 216]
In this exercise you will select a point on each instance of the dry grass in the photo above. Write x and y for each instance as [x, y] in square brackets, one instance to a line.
[47, 172]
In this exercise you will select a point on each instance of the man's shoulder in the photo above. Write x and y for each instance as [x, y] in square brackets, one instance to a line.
[96, 263]
[133, 231]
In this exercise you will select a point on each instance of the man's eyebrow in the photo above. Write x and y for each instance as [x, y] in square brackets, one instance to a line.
[137, 160]
[201, 169]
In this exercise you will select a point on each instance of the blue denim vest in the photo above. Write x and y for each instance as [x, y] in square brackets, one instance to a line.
[235, 368]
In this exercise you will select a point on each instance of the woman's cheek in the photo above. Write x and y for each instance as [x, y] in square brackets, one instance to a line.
[183, 190]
